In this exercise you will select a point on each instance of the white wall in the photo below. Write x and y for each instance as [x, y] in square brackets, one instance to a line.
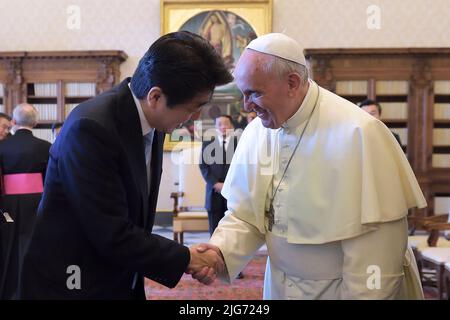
[132, 25]
[169, 181]
[343, 23]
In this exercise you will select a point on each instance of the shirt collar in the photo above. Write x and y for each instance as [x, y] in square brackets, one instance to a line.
[220, 137]
[305, 108]
[18, 128]
[144, 123]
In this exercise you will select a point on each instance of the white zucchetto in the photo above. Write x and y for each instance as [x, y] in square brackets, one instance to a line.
[280, 45]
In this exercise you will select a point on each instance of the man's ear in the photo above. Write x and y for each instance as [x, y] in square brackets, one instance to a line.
[13, 122]
[294, 82]
[153, 96]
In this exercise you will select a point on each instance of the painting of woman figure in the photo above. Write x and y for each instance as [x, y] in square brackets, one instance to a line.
[215, 32]
[227, 32]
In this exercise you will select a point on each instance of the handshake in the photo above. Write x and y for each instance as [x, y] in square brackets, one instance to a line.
[206, 263]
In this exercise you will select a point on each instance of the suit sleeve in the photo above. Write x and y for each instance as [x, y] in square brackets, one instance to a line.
[205, 164]
[89, 166]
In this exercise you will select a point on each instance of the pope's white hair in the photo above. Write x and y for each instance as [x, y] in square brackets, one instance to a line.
[282, 67]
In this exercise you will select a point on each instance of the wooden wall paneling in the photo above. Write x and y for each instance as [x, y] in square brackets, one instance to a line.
[419, 67]
[22, 71]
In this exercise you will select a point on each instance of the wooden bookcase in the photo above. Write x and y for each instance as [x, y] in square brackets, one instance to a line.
[413, 88]
[55, 82]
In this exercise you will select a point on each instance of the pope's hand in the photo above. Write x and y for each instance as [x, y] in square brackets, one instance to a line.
[206, 263]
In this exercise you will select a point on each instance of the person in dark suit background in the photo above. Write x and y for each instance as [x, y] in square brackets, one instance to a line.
[23, 160]
[216, 158]
[373, 108]
[93, 236]
[5, 126]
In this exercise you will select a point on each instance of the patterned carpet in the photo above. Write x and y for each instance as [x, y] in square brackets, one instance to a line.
[248, 288]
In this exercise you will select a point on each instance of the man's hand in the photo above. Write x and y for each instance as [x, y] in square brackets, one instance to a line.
[206, 262]
[218, 187]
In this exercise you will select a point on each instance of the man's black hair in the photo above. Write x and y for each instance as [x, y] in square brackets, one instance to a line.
[183, 65]
[369, 102]
[4, 115]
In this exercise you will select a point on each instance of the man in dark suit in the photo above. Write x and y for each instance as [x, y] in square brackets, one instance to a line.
[373, 108]
[216, 158]
[23, 160]
[93, 237]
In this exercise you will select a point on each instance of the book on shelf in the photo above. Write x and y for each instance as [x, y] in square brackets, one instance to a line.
[2, 108]
[391, 87]
[402, 133]
[442, 87]
[441, 111]
[441, 137]
[80, 89]
[47, 112]
[440, 160]
[45, 90]
[394, 110]
[69, 107]
[2, 93]
[45, 134]
[351, 87]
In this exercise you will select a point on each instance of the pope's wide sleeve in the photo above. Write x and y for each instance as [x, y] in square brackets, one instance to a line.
[238, 241]
[373, 262]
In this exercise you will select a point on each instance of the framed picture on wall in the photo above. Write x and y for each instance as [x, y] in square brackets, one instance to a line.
[229, 25]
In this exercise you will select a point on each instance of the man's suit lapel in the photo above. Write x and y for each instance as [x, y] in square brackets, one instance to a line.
[155, 175]
[131, 135]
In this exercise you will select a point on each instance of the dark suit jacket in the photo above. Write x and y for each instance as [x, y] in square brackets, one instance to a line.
[24, 153]
[397, 137]
[95, 212]
[20, 153]
[213, 169]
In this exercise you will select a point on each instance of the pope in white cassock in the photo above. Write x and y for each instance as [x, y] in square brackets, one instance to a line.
[322, 183]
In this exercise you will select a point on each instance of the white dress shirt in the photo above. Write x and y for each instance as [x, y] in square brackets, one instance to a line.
[147, 133]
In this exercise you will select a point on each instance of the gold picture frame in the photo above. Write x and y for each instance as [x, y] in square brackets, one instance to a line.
[241, 22]
[258, 13]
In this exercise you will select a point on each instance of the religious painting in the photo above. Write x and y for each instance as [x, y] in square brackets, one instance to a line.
[229, 25]
[227, 32]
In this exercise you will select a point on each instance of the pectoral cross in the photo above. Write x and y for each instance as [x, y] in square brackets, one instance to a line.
[270, 216]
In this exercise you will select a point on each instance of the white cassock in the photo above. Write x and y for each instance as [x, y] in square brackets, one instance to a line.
[340, 229]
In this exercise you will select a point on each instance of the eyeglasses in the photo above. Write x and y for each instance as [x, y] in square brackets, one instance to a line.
[5, 127]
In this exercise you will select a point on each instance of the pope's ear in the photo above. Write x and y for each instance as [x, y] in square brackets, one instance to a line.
[153, 96]
[294, 81]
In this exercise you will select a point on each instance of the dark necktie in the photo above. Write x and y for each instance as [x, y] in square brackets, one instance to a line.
[224, 151]
[148, 140]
